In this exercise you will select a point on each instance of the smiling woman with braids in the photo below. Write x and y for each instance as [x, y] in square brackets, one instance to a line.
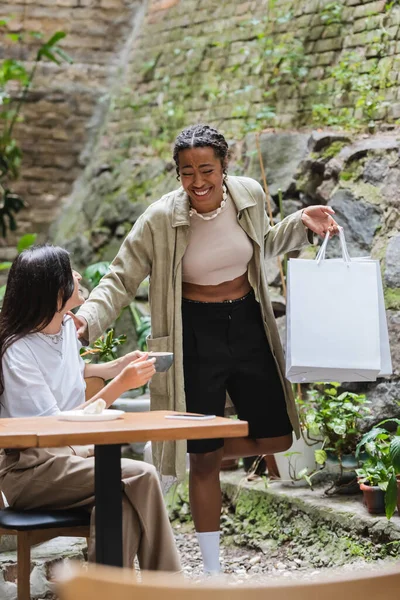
[204, 247]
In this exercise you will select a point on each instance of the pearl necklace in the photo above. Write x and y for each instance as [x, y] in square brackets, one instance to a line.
[56, 338]
[52, 340]
[210, 216]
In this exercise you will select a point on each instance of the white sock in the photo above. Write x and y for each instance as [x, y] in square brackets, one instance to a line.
[209, 546]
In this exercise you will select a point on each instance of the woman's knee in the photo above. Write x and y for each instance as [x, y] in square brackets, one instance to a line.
[274, 445]
[138, 468]
[285, 442]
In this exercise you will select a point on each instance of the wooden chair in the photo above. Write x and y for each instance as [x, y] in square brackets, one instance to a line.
[33, 526]
[103, 583]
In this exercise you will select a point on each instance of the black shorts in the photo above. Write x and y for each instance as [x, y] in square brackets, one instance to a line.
[225, 349]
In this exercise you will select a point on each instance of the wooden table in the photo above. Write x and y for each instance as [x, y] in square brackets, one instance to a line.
[108, 437]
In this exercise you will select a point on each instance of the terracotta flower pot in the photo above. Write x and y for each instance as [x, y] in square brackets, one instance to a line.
[374, 499]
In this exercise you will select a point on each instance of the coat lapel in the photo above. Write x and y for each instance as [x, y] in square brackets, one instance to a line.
[181, 224]
[243, 198]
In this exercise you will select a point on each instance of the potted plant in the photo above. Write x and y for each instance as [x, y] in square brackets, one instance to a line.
[378, 475]
[306, 457]
[330, 435]
[334, 415]
[373, 478]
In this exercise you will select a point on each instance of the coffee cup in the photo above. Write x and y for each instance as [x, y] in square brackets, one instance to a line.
[163, 360]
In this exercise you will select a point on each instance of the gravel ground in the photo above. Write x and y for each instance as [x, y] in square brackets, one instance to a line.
[246, 564]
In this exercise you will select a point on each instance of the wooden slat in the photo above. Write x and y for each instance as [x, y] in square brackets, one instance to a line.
[103, 583]
[132, 427]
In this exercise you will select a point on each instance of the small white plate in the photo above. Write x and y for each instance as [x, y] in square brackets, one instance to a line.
[79, 415]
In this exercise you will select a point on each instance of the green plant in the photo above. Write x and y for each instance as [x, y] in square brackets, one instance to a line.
[93, 273]
[14, 73]
[355, 96]
[274, 59]
[26, 241]
[333, 149]
[391, 4]
[333, 417]
[383, 462]
[331, 13]
[142, 323]
[105, 347]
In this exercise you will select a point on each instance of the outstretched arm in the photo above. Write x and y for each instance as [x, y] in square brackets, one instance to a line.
[293, 232]
[136, 374]
[118, 288]
[111, 369]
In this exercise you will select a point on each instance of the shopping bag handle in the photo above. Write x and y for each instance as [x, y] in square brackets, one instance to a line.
[345, 253]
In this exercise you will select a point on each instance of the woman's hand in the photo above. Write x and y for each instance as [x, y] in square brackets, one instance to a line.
[319, 220]
[109, 370]
[80, 325]
[138, 372]
[124, 361]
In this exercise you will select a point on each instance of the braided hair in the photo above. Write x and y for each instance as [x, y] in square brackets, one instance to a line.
[201, 136]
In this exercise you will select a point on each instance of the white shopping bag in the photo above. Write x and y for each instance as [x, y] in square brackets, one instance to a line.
[336, 321]
[386, 359]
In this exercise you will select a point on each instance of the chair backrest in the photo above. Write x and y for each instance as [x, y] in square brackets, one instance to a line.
[103, 583]
[93, 385]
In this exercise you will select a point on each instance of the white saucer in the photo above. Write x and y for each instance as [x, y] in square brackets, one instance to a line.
[79, 415]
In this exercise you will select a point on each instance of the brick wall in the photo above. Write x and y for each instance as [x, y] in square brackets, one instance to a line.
[219, 60]
[57, 117]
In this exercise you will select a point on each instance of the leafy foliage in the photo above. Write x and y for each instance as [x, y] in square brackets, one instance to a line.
[142, 324]
[383, 462]
[349, 84]
[94, 273]
[331, 13]
[274, 60]
[25, 242]
[105, 347]
[333, 417]
[14, 76]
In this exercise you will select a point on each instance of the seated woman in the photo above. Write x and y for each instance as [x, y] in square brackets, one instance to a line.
[41, 374]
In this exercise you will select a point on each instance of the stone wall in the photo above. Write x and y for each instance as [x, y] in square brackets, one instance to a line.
[59, 112]
[242, 65]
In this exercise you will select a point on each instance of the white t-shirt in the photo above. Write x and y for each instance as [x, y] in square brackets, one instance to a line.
[42, 378]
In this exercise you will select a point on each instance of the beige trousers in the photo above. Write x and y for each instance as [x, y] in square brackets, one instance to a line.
[64, 478]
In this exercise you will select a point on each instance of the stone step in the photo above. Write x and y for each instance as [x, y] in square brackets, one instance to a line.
[337, 527]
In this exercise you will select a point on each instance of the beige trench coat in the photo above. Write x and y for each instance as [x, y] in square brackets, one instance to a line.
[155, 246]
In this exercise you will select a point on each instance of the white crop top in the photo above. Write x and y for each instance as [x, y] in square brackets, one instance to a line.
[219, 250]
[42, 378]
